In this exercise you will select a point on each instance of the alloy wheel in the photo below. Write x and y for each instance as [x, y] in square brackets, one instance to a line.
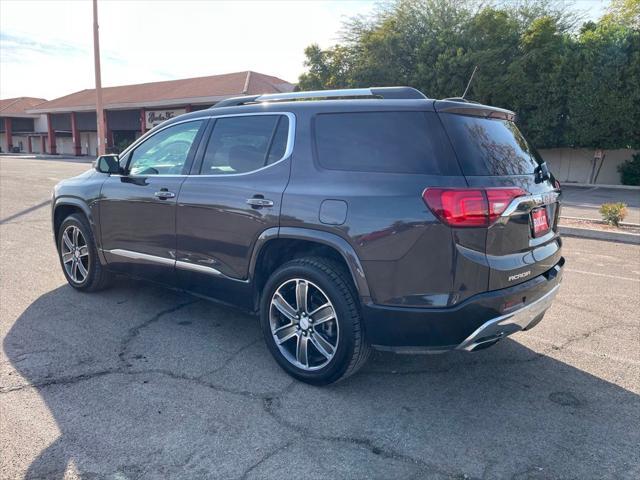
[75, 254]
[304, 324]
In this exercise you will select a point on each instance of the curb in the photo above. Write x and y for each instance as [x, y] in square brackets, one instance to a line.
[40, 156]
[620, 237]
[598, 185]
[601, 222]
[59, 158]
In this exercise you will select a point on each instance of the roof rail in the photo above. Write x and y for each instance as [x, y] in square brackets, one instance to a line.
[386, 93]
[232, 102]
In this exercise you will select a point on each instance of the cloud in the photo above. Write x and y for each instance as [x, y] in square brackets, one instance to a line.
[12, 47]
[47, 47]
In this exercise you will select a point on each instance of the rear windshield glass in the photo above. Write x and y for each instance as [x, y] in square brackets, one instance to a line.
[392, 142]
[490, 146]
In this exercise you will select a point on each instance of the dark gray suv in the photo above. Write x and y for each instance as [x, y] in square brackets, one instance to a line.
[346, 219]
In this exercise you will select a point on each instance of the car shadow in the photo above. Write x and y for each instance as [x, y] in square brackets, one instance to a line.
[148, 383]
[25, 211]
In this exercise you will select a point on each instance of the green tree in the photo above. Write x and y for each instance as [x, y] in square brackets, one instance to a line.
[536, 82]
[625, 12]
[604, 95]
[569, 86]
[329, 68]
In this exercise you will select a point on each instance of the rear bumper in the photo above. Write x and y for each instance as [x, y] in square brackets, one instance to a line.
[478, 322]
[522, 319]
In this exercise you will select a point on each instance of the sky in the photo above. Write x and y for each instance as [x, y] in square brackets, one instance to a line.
[46, 46]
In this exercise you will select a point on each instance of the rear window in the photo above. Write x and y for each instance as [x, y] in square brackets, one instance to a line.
[490, 146]
[391, 142]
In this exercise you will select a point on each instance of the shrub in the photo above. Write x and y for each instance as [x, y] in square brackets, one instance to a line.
[613, 213]
[630, 171]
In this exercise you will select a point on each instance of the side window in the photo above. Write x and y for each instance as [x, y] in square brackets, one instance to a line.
[244, 144]
[387, 142]
[166, 152]
[279, 144]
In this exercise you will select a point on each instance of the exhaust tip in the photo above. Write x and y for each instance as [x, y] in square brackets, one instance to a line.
[486, 342]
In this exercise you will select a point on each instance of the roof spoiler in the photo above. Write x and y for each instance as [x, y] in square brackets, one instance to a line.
[386, 93]
[468, 107]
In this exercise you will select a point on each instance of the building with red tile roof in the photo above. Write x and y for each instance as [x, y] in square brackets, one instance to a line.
[201, 91]
[131, 110]
[17, 126]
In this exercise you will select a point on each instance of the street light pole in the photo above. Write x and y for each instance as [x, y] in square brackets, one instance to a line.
[102, 140]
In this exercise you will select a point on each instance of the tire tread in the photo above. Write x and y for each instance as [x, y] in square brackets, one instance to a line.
[99, 277]
[342, 279]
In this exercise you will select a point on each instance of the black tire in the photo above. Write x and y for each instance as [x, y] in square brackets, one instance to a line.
[352, 349]
[97, 277]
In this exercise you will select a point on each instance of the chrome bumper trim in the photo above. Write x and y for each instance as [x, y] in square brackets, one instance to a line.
[504, 325]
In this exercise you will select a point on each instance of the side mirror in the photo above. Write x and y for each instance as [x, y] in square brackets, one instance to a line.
[107, 164]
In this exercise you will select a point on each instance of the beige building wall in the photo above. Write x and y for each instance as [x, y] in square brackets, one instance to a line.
[573, 165]
[20, 141]
[64, 146]
[40, 124]
[89, 143]
[36, 145]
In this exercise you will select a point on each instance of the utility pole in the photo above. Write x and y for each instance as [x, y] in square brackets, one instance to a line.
[102, 137]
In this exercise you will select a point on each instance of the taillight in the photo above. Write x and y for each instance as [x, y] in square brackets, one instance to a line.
[499, 199]
[469, 207]
[459, 208]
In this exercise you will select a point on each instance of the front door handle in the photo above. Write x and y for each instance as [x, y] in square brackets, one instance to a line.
[259, 202]
[163, 194]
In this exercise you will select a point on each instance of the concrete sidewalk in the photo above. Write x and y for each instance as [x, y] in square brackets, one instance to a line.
[584, 202]
[41, 156]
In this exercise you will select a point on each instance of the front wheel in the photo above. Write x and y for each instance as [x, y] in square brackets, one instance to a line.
[311, 321]
[79, 255]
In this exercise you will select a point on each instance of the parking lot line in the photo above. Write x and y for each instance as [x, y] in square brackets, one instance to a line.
[596, 274]
[135, 381]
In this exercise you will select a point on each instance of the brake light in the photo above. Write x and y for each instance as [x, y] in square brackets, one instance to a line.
[459, 208]
[499, 199]
[469, 207]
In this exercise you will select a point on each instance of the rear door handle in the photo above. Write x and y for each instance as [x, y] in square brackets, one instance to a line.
[163, 194]
[260, 202]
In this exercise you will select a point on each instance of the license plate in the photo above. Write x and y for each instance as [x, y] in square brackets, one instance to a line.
[540, 221]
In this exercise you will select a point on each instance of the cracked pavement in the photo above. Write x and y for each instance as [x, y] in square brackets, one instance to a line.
[139, 382]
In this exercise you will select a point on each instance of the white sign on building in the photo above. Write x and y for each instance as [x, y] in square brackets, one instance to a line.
[156, 117]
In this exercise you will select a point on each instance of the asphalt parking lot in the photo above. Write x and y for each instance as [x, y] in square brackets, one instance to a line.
[584, 202]
[138, 382]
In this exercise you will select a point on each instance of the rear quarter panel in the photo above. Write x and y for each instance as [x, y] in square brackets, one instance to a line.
[407, 254]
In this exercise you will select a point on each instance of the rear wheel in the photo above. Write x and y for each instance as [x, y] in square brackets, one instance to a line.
[79, 255]
[311, 321]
